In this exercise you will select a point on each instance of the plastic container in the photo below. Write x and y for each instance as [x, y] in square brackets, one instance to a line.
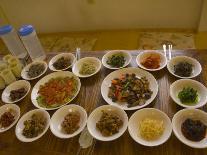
[12, 41]
[31, 42]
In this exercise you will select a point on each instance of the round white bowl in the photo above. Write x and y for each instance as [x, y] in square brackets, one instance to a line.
[143, 55]
[65, 55]
[126, 54]
[178, 85]
[175, 60]
[77, 66]
[45, 79]
[180, 117]
[139, 115]
[27, 116]
[15, 108]
[13, 86]
[95, 117]
[139, 73]
[58, 118]
[24, 73]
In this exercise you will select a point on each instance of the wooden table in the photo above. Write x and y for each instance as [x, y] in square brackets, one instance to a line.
[89, 98]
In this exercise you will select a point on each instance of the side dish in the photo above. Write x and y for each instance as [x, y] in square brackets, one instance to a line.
[7, 118]
[34, 126]
[35, 70]
[193, 130]
[116, 60]
[17, 94]
[71, 122]
[128, 88]
[109, 124]
[62, 63]
[183, 69]
[87, 68]
[188, 95]
[151, 62]
[57, 91]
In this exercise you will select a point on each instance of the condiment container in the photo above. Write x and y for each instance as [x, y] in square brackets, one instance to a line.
[31, 42]
[12, 41]
[2, 83]
[8, 76]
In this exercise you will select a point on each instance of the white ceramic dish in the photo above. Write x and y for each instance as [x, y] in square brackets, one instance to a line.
[178, 85]
[13, 86]
[24, 73]
[95, 117]
[45, 79]
[65, 55]
[15, 111]
[180, 117]
[77, 66]
[175, 60]
[27, 116]
[144, 55]
[58, 118]
[139, 73]
[139, 115]
[126, 54]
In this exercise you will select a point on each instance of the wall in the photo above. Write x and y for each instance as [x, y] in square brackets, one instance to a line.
[82, 15]
[203, 18]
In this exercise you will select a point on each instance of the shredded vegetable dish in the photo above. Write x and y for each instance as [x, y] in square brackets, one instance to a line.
[128, 88]
[57, 91]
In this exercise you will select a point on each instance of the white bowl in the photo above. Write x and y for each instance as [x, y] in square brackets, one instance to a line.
[24, 73]
[178, 85]
[77, 66]
[139, 73]
[58, 118]
[152, 113]
[15, 111]
[180, 117]
[95, 117]
[45, 79]
[196, 65]
[27, 116]
[13, 86]
[126, 54]
[65, 55]
[143, 55]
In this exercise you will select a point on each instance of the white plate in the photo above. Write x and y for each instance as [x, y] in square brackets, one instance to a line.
[178, 85]
[180, 117]
[65, 55]
[45, 79]
[151, 113]
[15, 110]
[58, 118]
[95, 117]
[27, 116]
[139, 73]
[126, 54]
[24, 73]
[13, 86]
[143, 55]
[77, 66]
[196, 65]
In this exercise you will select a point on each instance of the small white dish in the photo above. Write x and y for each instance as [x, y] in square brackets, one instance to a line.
[58, 118]
[144, 55]
[95, 117]
[152, 113]
[180, 117]
[27, 116]
[45, 79]
[175, 60]
[24, 73]
[178, 85]
[15, 111]
[93, 60]
[65, 55]
[13, 86]
[153, 85]
[126, 55]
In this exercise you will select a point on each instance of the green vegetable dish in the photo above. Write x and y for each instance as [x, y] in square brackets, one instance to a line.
[188, 96]
[116, 60]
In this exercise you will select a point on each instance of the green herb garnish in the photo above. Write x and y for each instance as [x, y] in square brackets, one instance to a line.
[188, 95]
[116, 60]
